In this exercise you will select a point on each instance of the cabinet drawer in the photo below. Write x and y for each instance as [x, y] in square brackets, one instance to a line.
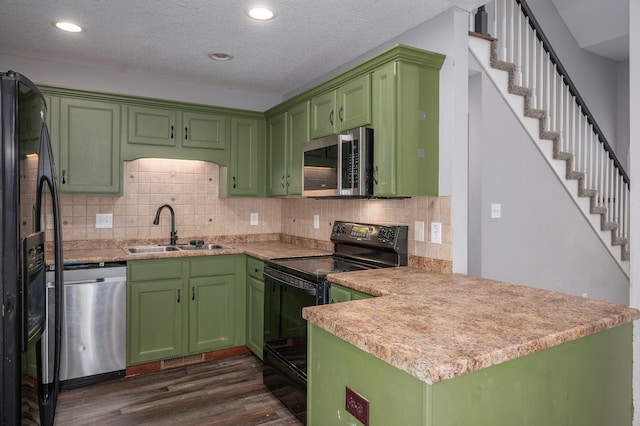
[212, 265]
[255, 267]
[162, 269]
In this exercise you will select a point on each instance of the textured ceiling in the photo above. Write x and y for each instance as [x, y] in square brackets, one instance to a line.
[171, 38]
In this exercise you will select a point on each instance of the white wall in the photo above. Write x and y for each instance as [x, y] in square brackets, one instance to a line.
[634, 160]
[593, 75]
[542, 239]
[97, 80]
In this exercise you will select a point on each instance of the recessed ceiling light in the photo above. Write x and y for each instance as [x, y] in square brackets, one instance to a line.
[219, 56]
[68, 26]
[261, 13]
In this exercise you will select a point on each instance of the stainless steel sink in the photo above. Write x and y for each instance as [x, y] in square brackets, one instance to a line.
[151, 249]
[202, 247]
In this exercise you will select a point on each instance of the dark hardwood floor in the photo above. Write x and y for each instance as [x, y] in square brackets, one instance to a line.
[222, 392]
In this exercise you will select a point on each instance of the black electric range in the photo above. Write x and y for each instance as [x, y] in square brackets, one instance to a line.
[295, 282]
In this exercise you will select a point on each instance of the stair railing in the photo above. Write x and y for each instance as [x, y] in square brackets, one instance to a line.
[522, 42]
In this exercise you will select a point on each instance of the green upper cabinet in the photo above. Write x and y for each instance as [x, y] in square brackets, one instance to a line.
[397, 94]
[152, 126]
[288, 131]
[406, 122]
[297, 135]
[277, 155]
[168, 127]
[88, 146]
[344, 108]
[202, 130]
[243, 177]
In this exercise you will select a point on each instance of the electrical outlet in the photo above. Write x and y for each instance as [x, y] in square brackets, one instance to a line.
[104, 220]
[418, 230]
[316, 221]
[254, 219]
[436, 233]
[357, 405]
[496, 211]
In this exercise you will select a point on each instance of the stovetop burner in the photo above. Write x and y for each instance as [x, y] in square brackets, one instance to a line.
[317, 267]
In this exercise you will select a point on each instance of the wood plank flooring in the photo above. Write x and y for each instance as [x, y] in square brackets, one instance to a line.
[222, 392]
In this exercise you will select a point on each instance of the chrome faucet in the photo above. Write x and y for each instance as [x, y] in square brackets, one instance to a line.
[174, 233]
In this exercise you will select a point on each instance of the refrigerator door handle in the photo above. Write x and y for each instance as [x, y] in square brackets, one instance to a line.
[48, 393]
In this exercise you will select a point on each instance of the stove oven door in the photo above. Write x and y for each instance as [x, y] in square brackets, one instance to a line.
[285, 342]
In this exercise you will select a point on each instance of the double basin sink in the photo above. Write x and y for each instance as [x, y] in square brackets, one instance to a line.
[177, 247]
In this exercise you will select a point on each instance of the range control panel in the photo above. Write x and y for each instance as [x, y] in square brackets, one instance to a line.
[373, 234]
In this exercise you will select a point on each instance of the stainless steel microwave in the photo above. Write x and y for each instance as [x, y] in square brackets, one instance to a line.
[339, 165]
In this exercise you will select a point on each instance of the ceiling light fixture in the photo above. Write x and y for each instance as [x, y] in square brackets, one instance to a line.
[220, 56]
[68, 27]
[261, 13]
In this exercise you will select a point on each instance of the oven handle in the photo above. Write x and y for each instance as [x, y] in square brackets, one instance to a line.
[306, 290]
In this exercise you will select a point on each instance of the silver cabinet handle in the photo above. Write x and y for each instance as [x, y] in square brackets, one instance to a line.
[282, 181]
[178, 295]
[171, 132]
[234, 182]
[288, 181]
[340, 114]
[193, 293]
[331, 117]
[186, 133]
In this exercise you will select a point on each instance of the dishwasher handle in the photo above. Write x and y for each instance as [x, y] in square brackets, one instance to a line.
[51, 284]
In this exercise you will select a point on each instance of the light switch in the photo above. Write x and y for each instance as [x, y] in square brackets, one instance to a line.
[496, 211]
[436, 232]
[316, 221]
[254, 219]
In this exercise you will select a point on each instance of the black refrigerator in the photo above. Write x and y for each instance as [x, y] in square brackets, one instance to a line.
[30, 239]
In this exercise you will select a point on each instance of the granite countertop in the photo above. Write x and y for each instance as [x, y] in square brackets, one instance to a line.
[439, 326]
[100, 251]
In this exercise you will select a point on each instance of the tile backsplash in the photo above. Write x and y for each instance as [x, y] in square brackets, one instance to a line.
[191, 188]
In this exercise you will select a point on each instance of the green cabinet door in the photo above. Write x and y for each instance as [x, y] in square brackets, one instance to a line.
[211, 313]
[342, 109]
[354, 100]
[89, 147]
[323, 115]
[277, 155]
[152, 126]
[246, 148]
[338, 294]
[202, 130]
[255, 306]
[405, 121]
[384, 124]
[297, 135]
[155, 320]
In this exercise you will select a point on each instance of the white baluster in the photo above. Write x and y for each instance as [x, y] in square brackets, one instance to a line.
[503, 20]
[519, 48]
[534, 71]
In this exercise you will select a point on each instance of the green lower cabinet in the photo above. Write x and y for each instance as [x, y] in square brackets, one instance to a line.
[178, 307]
[255, 306]
[586, 382]
[338, 294]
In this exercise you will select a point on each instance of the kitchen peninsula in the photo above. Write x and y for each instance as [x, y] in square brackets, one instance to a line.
[450, 349]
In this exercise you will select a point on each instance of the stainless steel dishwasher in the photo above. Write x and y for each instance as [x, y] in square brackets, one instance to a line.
[94, 324]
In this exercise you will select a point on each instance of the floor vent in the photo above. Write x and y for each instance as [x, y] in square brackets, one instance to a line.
[182, 360]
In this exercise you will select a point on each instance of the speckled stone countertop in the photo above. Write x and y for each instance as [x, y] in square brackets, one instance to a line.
[439, 326]
[102, 252]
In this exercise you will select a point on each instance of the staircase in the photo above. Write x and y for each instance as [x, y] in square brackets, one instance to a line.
[523, 66]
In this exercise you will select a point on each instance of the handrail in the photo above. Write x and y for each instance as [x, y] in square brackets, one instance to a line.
[572, 88]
